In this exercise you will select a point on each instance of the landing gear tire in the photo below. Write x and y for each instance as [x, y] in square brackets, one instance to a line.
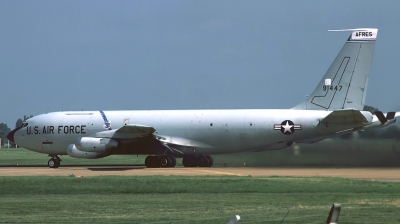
[160, 161]
[210, 161]
[173, 164]
[189, 161]
[58, 162]
[200, 161]
[53, 163]
[165, 161]
[152, 162]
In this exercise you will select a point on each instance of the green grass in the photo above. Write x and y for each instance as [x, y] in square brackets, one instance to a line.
[21, 156]
[207, 199]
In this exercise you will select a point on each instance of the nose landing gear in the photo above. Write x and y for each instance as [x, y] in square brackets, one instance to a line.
[54, 162]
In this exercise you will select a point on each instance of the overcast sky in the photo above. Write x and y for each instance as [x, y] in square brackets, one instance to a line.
[130, 55]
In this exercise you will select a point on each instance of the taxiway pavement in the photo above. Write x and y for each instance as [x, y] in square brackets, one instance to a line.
[375, 174]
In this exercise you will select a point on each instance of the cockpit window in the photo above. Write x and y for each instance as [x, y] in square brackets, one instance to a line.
[23, 125]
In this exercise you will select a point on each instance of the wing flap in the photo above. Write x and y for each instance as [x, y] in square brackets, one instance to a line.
[347, 116]
[135, 128]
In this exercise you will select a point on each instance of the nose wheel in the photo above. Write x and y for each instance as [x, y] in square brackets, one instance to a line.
[54, 162]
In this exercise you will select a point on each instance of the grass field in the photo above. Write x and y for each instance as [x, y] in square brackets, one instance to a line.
[206, 199]
[21, 156]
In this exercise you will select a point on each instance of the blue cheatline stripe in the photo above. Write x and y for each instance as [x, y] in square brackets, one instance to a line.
[106, 123]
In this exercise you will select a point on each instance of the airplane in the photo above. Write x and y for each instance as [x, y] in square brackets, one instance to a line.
[334, 108]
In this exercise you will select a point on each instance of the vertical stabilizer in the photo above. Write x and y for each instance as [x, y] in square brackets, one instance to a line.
[345, 83]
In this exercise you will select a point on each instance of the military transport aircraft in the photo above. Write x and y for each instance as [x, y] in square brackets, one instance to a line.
[334, 108]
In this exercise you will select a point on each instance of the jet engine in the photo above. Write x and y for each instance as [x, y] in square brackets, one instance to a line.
[76, 153]
[90, 144]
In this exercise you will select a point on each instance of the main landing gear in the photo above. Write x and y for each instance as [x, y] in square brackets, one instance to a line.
[170, 161]
[54, 162]
[160, 161]
[200, 161]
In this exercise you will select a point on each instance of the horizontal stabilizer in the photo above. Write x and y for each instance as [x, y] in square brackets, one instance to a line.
[348, 116]
[381, 117]
[381, 120]
[390, 115]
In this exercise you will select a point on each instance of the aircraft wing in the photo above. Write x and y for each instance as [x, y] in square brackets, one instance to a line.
[317, 139]
[347, 116]
[350, 116]
[135, 128]
[341, 117]
[129, 131]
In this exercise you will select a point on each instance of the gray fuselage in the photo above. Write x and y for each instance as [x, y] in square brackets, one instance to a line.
[190, 131]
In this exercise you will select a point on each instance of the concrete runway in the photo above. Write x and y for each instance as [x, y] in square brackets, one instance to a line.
[375, 174]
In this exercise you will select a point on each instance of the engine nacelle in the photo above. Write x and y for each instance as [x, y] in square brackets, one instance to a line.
[90, 144]
[76, 153]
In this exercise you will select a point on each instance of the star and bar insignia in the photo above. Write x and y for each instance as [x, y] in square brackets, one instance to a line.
[287, 127]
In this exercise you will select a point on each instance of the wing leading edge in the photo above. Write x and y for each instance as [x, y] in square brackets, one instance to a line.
[129, 131]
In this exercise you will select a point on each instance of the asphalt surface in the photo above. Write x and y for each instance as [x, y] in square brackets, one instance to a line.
[374, 174]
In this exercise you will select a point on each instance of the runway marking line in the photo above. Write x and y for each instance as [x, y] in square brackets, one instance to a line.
[224, 173]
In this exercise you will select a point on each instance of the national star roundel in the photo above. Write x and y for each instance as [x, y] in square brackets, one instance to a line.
[287, 127]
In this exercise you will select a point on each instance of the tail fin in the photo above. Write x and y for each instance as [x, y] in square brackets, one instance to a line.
[345, 83]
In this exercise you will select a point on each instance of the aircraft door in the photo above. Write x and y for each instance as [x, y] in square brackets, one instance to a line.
[126, 121]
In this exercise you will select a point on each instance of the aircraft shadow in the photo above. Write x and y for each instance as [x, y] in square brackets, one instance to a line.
[82, 165]
[114, 168]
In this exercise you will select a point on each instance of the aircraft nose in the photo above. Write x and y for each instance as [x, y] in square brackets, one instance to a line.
[10, 135]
